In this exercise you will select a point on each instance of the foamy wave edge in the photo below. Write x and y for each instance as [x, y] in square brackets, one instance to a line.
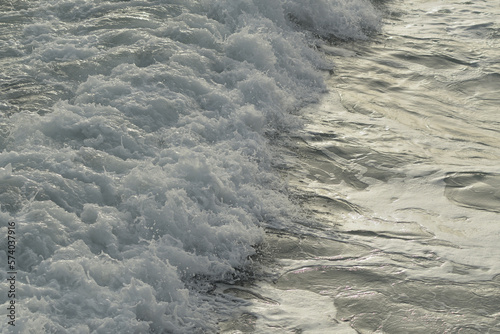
[152, 178]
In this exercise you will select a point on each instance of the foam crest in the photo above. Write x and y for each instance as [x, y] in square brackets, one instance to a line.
[344, 19]
[150, 179]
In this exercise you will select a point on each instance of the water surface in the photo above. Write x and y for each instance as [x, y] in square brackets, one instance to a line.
[399, 168]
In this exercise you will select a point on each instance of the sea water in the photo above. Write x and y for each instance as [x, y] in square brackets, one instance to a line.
[399, 169]
[168, 170]
[135, 153]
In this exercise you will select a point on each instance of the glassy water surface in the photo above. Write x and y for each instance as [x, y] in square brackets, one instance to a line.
[400, 162]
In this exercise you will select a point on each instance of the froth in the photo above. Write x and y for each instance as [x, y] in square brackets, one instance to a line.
[151, 177]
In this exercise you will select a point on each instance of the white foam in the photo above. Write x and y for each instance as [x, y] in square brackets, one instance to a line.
[151, 177]
[346, 19]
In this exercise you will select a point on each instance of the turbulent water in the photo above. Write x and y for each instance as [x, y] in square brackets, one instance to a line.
[181, 166]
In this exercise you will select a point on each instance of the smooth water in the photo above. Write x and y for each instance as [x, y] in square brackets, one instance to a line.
[179, 166]
[399, 167]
